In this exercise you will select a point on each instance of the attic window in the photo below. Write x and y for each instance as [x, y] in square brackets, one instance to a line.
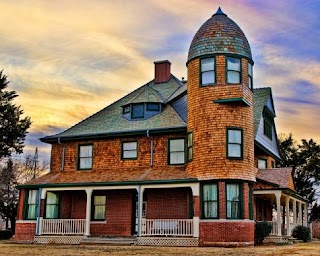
[267, 123]
[137, 111]
[153, 107]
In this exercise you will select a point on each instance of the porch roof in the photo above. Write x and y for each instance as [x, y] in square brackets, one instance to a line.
[111, 177]
[282, 177]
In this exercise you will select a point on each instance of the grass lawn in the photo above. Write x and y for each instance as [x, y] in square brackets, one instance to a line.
[8, 248]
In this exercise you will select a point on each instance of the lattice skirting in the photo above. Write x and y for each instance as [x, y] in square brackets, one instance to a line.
[277, 240]
[167, 241]
[58, 239]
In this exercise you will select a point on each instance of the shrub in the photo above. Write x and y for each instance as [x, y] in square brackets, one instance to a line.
[301, 233]
[5, 234]
[261, 230]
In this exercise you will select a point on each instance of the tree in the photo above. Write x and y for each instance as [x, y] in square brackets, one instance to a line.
[13, 128]
[8, 193]
[304, 158]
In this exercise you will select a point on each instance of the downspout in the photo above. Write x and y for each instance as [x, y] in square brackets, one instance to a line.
[151, 149]
[139, 211]
[63, 154]
[38, 212]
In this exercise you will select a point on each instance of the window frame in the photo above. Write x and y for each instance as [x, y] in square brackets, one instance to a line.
[250, 76]
[190, 147]
[265, 161]
[240, 202]
[212, 201]
[58, 205]
[227, 143]
[79, 157]
[232, 70]
[201, 72]
[132, 110]
[93, 207]
[122, 150]
[27, 205]
[169, 151]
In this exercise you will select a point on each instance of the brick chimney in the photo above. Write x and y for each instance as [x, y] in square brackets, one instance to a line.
[162, 71]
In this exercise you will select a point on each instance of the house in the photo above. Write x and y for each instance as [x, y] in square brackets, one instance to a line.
[185, 163]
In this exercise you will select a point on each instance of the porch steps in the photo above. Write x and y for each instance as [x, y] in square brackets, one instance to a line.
[108, 241]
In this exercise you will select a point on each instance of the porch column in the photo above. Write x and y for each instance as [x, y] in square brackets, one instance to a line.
[300, 213]
[294, 206]
[88, 211]
[278, 197]
[140, 208]
[196, 209]
[288, 215]
[305, 215]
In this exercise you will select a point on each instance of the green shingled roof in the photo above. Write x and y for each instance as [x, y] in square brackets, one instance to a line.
[111, 121]
[260, 99]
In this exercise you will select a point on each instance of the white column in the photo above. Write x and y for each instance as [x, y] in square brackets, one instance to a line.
[300, 213]
[278, 197]
[305, 210]
[294, 206]
[288, 215]
[88, 211]
[140, 208]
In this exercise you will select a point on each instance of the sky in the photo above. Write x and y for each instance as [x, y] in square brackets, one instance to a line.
[69, 59]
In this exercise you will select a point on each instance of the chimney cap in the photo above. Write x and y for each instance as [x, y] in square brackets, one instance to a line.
[162, 61]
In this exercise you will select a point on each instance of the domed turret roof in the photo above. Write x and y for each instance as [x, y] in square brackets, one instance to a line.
[219, 34]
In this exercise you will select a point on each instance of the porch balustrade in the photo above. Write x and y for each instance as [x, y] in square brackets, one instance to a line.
[63, 226]
[166, 227]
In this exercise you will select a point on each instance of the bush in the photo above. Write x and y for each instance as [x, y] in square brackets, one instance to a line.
[261, 230]
[301, 233]
[5, 234]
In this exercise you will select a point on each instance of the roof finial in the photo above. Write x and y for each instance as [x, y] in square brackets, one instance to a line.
[219, 12]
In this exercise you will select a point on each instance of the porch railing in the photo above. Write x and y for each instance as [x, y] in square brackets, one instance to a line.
[166, 227]
[63, 226]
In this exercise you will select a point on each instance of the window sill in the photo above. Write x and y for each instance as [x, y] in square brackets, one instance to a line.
[98, 222]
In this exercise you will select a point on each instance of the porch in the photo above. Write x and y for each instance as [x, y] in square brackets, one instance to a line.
[141, 213]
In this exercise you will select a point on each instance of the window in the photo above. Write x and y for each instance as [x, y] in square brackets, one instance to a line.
[85, 157]
[99, 208]
[233, 71]
[190, 146]
[153, 107]
[210, 201]
[176, 151]
[250, 80]
[267, 123]
[273, 164]
[207, 71]
[137, 111]
[126, 109]
[262, 163]
[233, 201]
[129, 150]
[52, 206]
[32, 205]
[234, 143]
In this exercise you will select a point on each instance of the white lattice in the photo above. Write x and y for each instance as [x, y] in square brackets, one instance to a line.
[277, 240]
[58, 239]
[172, 241]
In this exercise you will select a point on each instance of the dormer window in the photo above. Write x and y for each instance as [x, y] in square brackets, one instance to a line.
[267, 123]
[207, 72]
[153, 106]
[233, 71]
[137, 111]
[126, 109]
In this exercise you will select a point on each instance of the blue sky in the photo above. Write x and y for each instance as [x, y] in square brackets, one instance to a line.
[69, 59]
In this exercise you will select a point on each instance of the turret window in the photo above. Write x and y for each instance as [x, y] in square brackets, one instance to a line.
[250, 80]
[210, 201]
[234, 143]
[233, 201]
[233, 71]
[207, 72]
